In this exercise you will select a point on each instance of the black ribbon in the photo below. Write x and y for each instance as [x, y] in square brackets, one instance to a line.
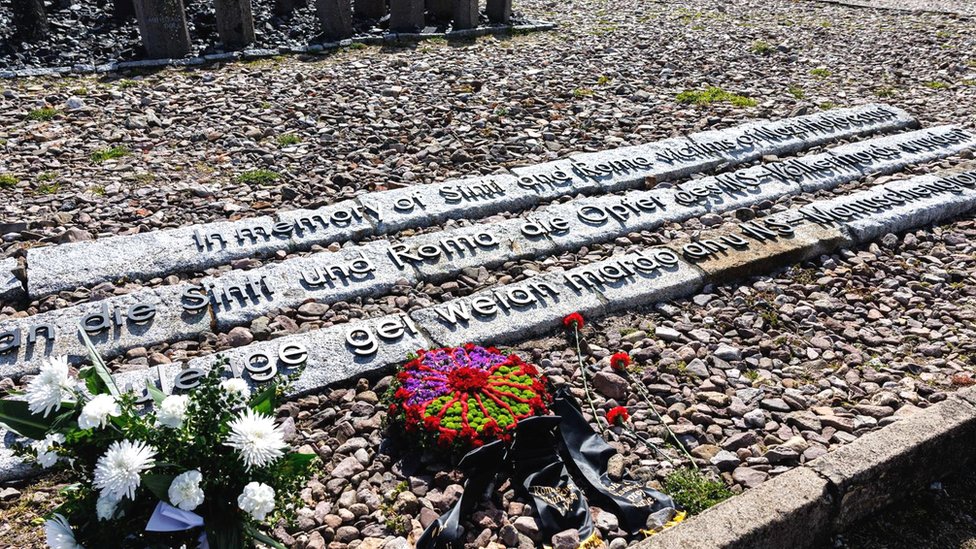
[540, 475]
[587, 455]
[480, 465]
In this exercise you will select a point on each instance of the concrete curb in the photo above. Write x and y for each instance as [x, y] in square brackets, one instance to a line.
[806, 505]
[252, 54]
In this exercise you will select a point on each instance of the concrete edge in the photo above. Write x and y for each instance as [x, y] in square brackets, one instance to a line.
[253, 54]
[806, 505]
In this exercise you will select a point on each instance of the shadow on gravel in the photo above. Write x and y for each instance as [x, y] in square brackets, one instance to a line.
[943, 517]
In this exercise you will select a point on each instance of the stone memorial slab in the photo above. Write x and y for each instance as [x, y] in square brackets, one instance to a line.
[235, 24]
[11, 288]
[197, 247]
[758, 246]
[68, 266]
[324, 356]
[335, 18]
[890, 153]
[538, 305]
[114, 325]
[791, 135]
[424, 205]
[238, 297]
[896, 206]
[11, 466]
[465, 14]
[357, 271]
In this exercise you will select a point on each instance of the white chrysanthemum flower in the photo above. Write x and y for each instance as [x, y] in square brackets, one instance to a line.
[46, 455]
[105, 507]
[97, 411]
[172, 411]
[117, 472]
[257, 500]
[185, 492]
[236, 386]
[59, 534]
[50, 386]
[256, 439]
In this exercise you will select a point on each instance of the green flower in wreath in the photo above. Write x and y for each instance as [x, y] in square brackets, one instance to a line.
[466, 396]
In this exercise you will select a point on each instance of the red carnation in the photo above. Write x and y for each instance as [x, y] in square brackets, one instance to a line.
[618, 413]
[490, 429]
[446, 439]
[393, 409]
[432, 423]
[530, 370]
[402, 393]
[468, 434]
[619, 361]
[573, 319]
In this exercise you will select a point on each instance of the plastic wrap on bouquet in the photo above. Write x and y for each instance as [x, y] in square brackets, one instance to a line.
[541, 476]
[587, 454]
[480, 466]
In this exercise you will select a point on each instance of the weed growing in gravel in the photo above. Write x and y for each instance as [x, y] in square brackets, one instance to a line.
[714, 94]
[258, 177]
[797, 92]
[439, 40]
[357, 46]
[968, 82]
[101, 155]
[884, 92]
[7, 181]
[47, 188]
[827, 105]
[125, 83]
[395, 523]
[287, 139]
[603, 80]
[579, 93]
[935, 85]
[820, 72]
[761, 47]
[751, 375]
[98, 190]
[691, 489]
[43, 115]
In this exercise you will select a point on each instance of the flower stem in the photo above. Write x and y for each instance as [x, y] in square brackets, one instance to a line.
[649, 444]
[586, 385]
[639, 385]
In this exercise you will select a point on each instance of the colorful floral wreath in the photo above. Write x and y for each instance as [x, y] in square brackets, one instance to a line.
[464, 397]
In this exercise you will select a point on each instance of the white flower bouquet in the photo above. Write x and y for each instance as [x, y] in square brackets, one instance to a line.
[206, 469]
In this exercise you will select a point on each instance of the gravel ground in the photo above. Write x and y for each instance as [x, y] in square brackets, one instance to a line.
[756, 376]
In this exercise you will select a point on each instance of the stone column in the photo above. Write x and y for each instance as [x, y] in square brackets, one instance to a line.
[465, 14]
[284, 7]
[235, 24]
[123, 10]
[440, 10]
[335, 18]
[406, 15]
[29, 19]
[162, 26]
[500, 11]
[370, 9]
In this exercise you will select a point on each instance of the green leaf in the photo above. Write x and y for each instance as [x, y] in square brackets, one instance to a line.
[99, 375]
[263, 402]
[157, 395]
[17, 417]
[158, 485]
[296, 464]
[262, 537]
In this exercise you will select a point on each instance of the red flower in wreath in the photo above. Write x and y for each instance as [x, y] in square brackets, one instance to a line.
[619, 361]
[573, 320]
[617, 415]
